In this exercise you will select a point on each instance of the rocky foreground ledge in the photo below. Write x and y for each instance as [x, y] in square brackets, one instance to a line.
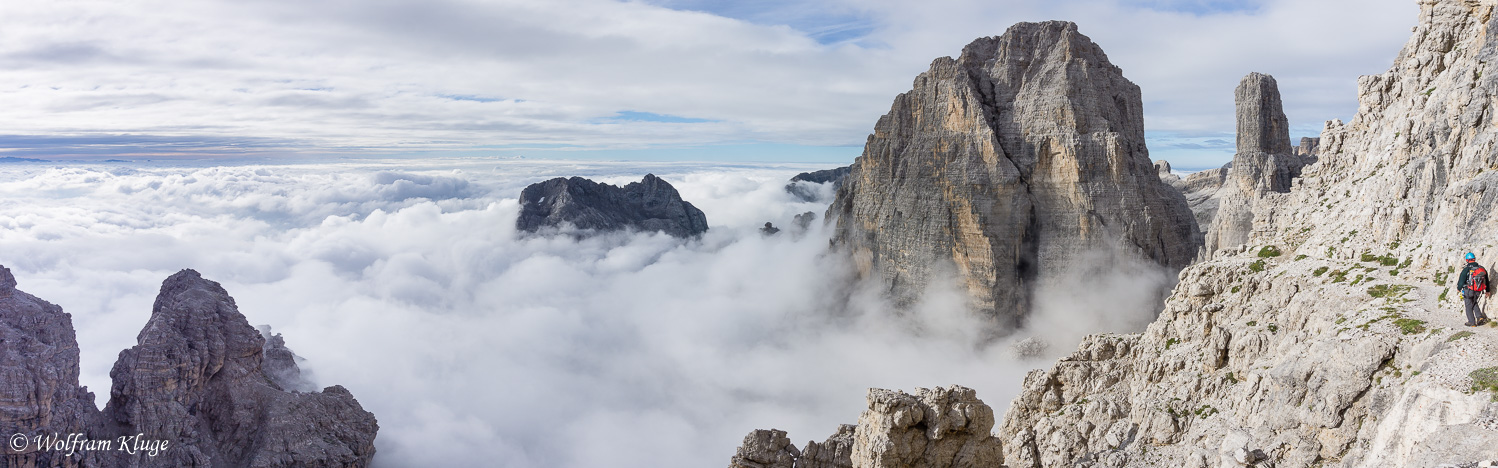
[197, 390]
[945, 426]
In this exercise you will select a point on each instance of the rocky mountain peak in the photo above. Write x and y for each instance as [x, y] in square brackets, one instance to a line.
[1003, 164]
[1262, 126]
[1265, 164]
[194, 379]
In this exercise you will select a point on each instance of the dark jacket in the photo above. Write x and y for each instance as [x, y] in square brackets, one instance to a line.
[1461, 281]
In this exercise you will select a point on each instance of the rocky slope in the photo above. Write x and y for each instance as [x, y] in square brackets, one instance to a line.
[1003, 164]
[1331, 340]
[651, 204]
[197, 380]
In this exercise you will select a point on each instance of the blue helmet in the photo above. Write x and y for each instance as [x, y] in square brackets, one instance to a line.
[1469, 256]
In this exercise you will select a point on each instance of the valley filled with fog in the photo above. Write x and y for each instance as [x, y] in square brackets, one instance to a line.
[406, 282]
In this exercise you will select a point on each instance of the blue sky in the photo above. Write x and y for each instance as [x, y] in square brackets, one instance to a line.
[773, 80]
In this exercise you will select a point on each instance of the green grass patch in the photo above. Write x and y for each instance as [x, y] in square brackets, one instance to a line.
[1459, 335]
[1205, 411]
[1235, 289]
[1300, 257]
[1338, 276]
[1252, 323]
[1269, 251]
[1274, 328]
[1442, 297]
[1431, 90]
[1384, 260]
[1485, 379]
[1389, 290]
[1171, 342]
[1319, 271]
[1393, 245]
[1340, 320]
[1256, 266]
[1410, 326]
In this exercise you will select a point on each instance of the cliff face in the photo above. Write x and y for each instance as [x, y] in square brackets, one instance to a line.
[1332, 339]
[1005, 163]
[651, 204]
[196, 380]
[39, 390]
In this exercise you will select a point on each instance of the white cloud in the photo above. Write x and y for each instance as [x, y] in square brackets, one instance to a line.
[525, 76]
[405, 282]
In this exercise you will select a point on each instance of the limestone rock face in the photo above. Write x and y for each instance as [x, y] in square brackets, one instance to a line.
[39, 390]
[934, 428]
[765, 449]
[1265, 162]
[942, 427]
[1201, 190]
[801, 184]
[196, 378]
[651, 204]
[1002, 165]
[1307, 147]
[1338, 347]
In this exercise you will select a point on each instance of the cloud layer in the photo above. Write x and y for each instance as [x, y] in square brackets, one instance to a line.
[534, 77]
[405, 282]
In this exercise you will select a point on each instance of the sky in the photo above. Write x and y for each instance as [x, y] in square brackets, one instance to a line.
[683, 80]
[405, 282]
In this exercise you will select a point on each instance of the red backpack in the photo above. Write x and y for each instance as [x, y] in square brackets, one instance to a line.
[1477, 281]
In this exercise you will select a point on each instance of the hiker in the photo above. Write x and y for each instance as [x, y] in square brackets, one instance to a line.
[1473, 283]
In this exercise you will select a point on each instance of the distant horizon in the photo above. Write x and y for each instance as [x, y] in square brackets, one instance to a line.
[645, 80]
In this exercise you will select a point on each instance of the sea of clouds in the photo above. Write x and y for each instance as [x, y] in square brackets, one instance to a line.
[406, 282]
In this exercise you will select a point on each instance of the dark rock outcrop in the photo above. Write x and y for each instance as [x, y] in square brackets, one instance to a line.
[39, 390]
[1006, 163]
[805, 192]
[803, 221]
[198, 381]
[196, 378]
[280, 364]
[769, 229]
[651, 204]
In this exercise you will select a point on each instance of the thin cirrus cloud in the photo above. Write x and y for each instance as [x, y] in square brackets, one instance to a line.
[406, 77]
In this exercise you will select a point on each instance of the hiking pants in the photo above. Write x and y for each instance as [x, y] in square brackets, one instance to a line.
[1473, 311]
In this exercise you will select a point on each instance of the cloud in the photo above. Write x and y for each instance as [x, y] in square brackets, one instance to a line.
[401, 76]
[405, 281]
